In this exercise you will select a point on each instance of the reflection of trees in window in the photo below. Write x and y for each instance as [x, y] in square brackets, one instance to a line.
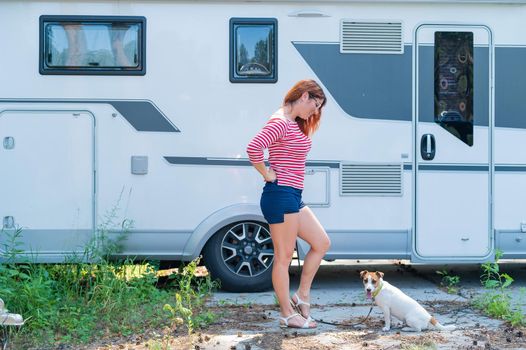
[261, 52]
[258, 63]
[52, 51]
[243, 55]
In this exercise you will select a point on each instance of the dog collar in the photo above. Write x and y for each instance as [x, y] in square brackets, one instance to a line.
[377, 290]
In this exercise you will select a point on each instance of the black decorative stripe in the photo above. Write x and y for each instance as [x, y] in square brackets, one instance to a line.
[143, 115]
[437, 167]
[206, 161]
[499, 168]
[246, 162]
[512, 168]
[336, 165]
[235, 162]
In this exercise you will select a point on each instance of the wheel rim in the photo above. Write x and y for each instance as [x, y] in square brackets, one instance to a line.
[247, 249]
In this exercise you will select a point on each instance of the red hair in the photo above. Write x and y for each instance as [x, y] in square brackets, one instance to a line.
[309, 126]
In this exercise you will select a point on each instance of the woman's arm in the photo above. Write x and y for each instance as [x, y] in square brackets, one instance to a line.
[268, 174]
[273, 131]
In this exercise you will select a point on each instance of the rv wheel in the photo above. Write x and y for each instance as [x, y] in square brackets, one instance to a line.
[241, 256]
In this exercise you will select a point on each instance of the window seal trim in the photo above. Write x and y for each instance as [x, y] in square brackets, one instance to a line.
[141, 20]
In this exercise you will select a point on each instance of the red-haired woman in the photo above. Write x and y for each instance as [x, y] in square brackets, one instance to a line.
[287, 137]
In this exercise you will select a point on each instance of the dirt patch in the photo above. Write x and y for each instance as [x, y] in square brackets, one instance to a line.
[505, 338]
[254, 327]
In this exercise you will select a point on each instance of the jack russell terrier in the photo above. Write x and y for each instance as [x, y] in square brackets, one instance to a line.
[394, 302]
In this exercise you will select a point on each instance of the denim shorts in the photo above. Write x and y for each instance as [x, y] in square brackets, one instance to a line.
[276, 201]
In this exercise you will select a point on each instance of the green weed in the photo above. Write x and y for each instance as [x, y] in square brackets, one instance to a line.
[450, 282]
[190, 297]
[491, 277]
[497, 301]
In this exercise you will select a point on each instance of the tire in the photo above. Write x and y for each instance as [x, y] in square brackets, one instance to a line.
[240, 255]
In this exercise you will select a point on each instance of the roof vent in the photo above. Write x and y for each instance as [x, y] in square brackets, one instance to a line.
[371, 37]
[371, 179]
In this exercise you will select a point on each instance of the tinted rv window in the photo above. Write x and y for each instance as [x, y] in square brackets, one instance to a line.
[253, 50]
[454, 83]
[92, 45]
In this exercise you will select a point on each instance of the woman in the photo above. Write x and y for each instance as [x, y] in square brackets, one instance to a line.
[287, 137]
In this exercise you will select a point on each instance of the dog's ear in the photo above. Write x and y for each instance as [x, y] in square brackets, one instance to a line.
[363, 273]
[380, 274]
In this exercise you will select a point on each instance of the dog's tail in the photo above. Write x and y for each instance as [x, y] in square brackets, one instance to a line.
[433, 321]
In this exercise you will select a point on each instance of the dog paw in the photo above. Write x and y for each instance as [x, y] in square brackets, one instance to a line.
[386, 329]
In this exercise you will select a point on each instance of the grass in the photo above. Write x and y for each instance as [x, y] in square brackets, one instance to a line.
[78, 302]
[496, 301]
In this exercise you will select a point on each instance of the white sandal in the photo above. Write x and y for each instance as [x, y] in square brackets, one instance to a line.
[297, 304]
[285, 323]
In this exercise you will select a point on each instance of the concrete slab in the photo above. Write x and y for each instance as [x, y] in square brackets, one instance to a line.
[337, 296]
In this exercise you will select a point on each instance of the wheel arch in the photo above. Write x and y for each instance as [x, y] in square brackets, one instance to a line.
[216, 221]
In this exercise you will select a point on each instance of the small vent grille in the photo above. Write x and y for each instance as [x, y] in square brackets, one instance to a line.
[371, 179]
[371, 37]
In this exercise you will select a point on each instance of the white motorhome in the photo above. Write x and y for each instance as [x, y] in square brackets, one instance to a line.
[420, 154]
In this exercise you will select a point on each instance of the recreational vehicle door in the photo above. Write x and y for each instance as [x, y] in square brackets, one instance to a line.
[47, 186]
[453, 143]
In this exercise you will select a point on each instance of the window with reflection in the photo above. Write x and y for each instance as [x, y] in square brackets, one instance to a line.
[253, 50]
[454, 83]
[92, 45]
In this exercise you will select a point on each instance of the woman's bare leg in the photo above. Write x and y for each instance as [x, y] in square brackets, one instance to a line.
[311, 231]
[284, 239]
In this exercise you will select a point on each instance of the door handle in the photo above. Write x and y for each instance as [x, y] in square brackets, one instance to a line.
[427, 147]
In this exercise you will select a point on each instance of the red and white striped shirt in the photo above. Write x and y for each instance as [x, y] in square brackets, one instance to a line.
[287, 148]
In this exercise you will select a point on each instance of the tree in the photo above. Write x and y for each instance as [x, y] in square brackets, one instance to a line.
[243, 55]
[261, 52]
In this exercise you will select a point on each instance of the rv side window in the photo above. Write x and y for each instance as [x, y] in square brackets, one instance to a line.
[253, 43]
[454, 83]
[102, 45]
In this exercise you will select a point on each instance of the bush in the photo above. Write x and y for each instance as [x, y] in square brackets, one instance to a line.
[77, 302]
